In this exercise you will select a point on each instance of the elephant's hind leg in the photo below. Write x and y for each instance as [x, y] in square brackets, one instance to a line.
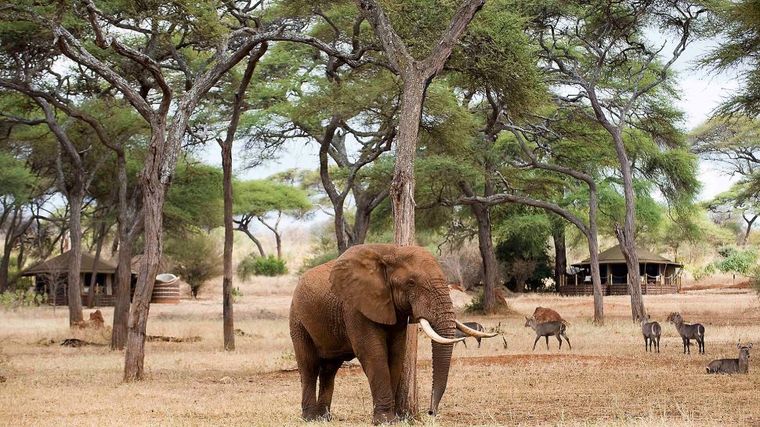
[308, 368]
[327, 371]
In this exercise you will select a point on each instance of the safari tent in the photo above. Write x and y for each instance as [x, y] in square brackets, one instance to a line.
[50, 277]
[657, 274]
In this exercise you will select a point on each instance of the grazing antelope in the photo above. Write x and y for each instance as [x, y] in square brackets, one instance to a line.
[546, 329]
[732, 366]
[688, 332]
[652, 332]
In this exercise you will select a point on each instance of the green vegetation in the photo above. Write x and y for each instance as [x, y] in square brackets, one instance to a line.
[196, 259]
[253, 265]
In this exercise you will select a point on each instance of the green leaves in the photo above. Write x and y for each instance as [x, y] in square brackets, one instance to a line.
[260, 197]
[194, 199]
[738, 28]
[16, 179]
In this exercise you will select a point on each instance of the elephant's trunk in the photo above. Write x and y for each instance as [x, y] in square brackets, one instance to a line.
[446, 327]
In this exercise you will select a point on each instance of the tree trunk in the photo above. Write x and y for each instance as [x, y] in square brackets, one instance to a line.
[278, 243]
[402, 201]
[8, 244]
[402, 185]
[94, 277]
[750, 222]
[560, 253]
[257, 242]
[123, 290]
[76, 196]
[593, 249]
[361, 225]
[4, 266]
[124, 265]
[153, 200]
[229, 323]
[490, 264]
[626, 234]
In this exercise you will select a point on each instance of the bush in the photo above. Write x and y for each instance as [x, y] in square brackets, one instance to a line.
[736, 261]
[14, 299]
[253, 265]
[755, 279]
[476, 305]
[197, 258]
[236, 294]
[318, 259]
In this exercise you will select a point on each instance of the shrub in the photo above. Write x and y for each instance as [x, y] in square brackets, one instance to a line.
[318, 259]
[253, 265]
[736, 261]
[755, 279]
[476, 305]
[197, 258]
[20, 298]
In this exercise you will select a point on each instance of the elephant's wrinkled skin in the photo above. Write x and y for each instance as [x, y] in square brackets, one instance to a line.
[357, 306]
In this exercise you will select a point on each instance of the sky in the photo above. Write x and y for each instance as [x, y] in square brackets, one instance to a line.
[700, 93]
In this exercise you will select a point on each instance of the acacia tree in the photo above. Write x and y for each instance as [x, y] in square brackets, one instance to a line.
[139, 73]
[733, 143]
[600, 59]
[19, 185]
[415, 76]
[738, 48]
[259, 199]
[540, 148]
[72, 179]
[348, 112]
[741, 201]
[237, 108]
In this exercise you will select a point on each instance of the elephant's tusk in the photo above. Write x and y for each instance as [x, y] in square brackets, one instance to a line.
[472, 332]
[434, 335]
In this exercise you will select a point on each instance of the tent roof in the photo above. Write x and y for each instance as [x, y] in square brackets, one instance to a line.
[60, 264]
[614, 255]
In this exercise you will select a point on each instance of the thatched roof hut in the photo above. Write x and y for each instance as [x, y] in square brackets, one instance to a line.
[614, 255]
[658, 275]
[51, 278]
[60, 264]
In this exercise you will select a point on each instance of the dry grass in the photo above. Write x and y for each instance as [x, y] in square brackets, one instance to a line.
[606, 379]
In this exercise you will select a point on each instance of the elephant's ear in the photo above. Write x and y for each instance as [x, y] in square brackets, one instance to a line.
[359, 277]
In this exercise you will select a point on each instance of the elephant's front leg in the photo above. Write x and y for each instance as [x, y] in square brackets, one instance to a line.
[372, 351]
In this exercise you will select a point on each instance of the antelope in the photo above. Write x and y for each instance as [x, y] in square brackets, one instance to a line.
[652, 332]
[688, 332]
[732, 366]
[472, 325]
[546, 329]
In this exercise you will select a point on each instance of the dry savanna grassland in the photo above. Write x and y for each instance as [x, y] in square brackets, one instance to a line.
[606, 379]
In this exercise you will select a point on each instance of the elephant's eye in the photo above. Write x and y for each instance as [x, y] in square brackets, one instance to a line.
[410, 282]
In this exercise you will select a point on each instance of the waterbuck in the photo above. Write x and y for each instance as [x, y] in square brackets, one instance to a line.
[547, 329]
[732, 366]
[688, 332]
[472, 325]
[652, 332]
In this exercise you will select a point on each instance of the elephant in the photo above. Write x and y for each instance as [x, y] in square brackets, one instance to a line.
[358, 306]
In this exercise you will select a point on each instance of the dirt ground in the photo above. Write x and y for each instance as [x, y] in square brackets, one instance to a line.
[606, 379]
